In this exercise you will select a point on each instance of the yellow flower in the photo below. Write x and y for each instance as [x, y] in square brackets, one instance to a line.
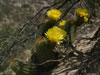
[85, 19]
[82, 12]
[56, 34]
[62, 23]
[54, 14]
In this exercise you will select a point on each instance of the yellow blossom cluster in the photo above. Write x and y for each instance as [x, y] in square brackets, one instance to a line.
[56, 34]
[62, 23]
[82, 13]
[54, 14]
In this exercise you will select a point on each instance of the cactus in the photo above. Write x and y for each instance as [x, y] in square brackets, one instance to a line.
[43, 51]
[71, 26]
[45, 26]
[51, 18]
[82, 16]
[71, 30]
[21, 68]
[8, 72]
